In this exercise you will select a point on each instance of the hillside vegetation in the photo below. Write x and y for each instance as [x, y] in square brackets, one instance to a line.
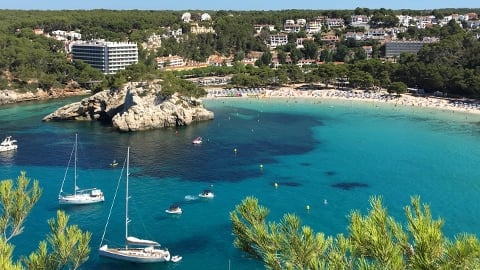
[29, 61]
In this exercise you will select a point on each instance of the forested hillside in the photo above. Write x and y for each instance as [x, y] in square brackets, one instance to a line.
[29, 61]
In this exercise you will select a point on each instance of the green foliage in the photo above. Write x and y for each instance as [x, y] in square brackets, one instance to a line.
[377, 237]
[172, 84]
[69, 246]
[6, 261]
[397, 87]
[17, 200]
[34, 61]
[374, 241]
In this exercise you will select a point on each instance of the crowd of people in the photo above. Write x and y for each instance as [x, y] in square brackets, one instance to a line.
[430, 101]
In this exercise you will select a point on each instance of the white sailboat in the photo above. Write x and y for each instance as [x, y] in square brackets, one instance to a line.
[79, 196]
[146, 251]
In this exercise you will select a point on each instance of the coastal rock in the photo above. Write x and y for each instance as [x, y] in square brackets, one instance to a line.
[71, 89]
[136, 107]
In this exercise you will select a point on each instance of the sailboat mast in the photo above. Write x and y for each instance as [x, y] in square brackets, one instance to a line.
[75, 170]
[126, 199]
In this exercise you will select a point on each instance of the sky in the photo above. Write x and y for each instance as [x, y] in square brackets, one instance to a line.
[234, 5]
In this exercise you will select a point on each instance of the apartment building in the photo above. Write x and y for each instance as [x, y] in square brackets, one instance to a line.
[108, 57]
[171, 61]
[195, 28]
[291, 27]
[259, 27]
[314, 27]
[360, 21]
[278, 40]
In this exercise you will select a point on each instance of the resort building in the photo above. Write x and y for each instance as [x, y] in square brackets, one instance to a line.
[206, 17]
[335, 23]
[291, 27]
[299, 41]
[404, 20]
[186, 17]
[360, 21]
[278, 40]
[330, 38]
[171, 61]
[70, 35]
[195, 28]
[108, 57]
[314, 26]
[377, 34]
[259, 27]
[355, 35]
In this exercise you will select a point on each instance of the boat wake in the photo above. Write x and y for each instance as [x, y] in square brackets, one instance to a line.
[191, 197]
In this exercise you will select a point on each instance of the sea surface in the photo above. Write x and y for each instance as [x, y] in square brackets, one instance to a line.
[331, 156]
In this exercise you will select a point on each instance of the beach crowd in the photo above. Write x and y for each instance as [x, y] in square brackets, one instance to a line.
[427, 101]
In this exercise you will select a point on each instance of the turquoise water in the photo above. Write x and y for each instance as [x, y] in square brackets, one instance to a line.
[334, 151]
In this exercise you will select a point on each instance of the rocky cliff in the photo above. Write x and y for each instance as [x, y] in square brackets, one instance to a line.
[136, 107]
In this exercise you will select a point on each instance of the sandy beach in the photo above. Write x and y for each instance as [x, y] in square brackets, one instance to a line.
[382, 96]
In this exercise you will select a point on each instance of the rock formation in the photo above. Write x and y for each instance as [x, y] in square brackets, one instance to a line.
[138, 106]
[11, 96]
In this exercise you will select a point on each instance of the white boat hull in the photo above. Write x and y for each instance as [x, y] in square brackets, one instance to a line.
[80, 199]
[8, 144]
[176, 258]
[173, 211]
[208, 195]
[8, 148]
[136, 255]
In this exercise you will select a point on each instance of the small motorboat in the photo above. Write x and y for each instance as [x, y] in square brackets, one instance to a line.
[176, 258]
[197, 140]
[206, 194]
[114, 163]
[174, 209]
[8, 144]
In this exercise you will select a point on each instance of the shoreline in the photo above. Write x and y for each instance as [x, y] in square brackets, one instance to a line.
[405, 100]
[14, 97]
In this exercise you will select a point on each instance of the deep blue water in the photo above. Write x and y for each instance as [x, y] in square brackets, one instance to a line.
[334, 151]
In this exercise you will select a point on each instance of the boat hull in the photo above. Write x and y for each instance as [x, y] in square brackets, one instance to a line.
[178, 212]
[208, 195]
[8, 148]
[136, 255]
[80, 199]
[8, 144]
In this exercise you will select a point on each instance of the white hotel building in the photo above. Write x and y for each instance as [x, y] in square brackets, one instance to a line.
[108, 57]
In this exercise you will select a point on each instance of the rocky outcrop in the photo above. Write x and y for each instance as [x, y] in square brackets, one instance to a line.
[136, 107]
[11, 96]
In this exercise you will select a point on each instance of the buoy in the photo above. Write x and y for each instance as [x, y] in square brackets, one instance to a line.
[235, 150]
[276, 185]
[308, 207]
[325, 201]
[261, 166]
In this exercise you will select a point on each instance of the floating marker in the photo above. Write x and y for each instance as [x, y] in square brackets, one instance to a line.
[308, 207]
[261, 166]
[325, 201]
[276, 185]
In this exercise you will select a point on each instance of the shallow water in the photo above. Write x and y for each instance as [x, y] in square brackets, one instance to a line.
[329, 155]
